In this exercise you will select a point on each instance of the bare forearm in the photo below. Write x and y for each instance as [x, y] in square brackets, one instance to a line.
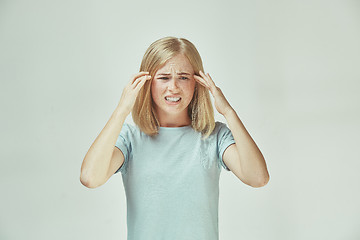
[96, 163]
[252, 162]
[97, 160]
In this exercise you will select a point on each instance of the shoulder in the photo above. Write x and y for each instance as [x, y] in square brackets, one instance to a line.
[131, 131]
[220, 127]
[222, 132]
[219, 124]
[127, 130]
[219, 131]
[128, 127]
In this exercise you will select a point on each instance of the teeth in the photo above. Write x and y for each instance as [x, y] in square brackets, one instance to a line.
[172, 99]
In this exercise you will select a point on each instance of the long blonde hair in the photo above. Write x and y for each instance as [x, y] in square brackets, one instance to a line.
[200, 109]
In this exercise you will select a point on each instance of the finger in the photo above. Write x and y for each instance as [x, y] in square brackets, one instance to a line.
[202, 73]
[137, 75]
[209, 77]
[201, 81]
[141, 83]
[209, 81]
[198, 78]
[202, 84]
[133, 85]
[143, 78]
[205, 77]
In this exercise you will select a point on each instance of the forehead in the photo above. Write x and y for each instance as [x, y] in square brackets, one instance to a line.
[177, 63]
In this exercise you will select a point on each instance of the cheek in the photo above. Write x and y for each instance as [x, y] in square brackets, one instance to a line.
[190, 87]
[155, 90]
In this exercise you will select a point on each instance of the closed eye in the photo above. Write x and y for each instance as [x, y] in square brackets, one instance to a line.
[164, 78]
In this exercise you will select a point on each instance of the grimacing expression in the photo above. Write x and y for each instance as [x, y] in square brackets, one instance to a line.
[173, 85]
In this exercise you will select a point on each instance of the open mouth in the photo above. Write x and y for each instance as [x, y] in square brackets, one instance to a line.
[173, 99]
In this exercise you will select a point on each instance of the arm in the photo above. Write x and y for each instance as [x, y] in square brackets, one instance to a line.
[243, 158]
[103, 158]
[252, 168]
[97, 161]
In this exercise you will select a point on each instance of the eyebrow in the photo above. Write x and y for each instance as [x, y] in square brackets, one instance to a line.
[168, 74]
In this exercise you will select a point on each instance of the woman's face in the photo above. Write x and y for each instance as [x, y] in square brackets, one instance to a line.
[173, 86]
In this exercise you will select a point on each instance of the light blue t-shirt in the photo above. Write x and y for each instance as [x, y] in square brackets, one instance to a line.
[171, 182]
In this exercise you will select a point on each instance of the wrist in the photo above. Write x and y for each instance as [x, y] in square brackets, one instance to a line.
[228, 113]
[120, 113]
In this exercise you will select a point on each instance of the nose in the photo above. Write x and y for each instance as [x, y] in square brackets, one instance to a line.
[173, 85]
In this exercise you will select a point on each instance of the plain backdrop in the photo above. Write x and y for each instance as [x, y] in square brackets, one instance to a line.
[289, 68]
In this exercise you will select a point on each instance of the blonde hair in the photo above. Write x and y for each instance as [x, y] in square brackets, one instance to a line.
[200, 109]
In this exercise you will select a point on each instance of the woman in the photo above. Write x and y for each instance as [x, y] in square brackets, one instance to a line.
[171, 160]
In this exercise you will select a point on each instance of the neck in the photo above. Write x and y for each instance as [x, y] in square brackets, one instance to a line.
[176, 120]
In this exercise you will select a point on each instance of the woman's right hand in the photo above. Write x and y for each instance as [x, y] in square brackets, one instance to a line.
[131, 91]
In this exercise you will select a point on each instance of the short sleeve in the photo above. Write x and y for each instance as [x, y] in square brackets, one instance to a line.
[123, 143]
[224, 140]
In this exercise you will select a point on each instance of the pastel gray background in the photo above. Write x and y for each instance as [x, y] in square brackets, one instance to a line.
[289, 68]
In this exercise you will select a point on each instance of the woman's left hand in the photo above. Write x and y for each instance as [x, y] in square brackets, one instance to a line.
[221, 104]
